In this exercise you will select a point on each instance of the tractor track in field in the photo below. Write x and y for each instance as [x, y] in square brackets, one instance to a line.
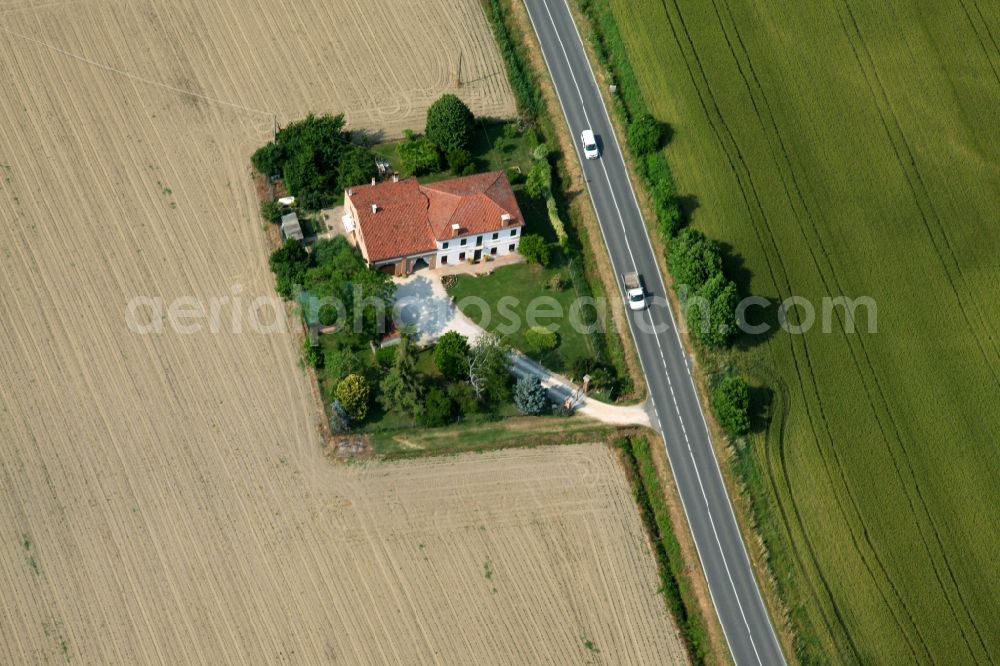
[842, 475]
[871, 375]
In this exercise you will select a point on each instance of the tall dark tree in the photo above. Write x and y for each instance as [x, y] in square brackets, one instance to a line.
[449, 123]
[401, 387]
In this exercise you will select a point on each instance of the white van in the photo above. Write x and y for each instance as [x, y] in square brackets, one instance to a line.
[589, 142]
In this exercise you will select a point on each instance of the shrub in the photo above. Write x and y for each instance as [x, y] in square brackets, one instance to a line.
[534, 248]
[438, 409]
[289, 264]
[312, 354]
[418, 157]
[716, 326]
[464, 398]
[385, 356]
[530, 396]
[337, 418]
[692, 260]
[731, 404]
[353, 393]
[541, 152]
[339, 363]
[449, 123]
[539, 180]
[451, 354]
[556, 221]
[268, 159]
[556, 283]
[510, 131]
[458, 160]
[271, 211]
[644, 134]
[540, 339]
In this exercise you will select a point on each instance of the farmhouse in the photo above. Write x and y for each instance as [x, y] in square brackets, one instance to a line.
[401, 225]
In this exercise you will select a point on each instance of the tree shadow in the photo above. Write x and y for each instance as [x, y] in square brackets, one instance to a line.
[760, 408]
[759, 324]
[687, 204]
[734, 268]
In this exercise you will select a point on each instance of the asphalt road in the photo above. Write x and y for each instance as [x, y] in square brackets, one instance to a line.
[676, 409]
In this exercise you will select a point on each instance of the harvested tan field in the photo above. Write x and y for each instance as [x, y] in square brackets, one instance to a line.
[511, 557]
[163, 496]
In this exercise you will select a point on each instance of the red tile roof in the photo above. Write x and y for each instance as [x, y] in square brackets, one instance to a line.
[410, 217]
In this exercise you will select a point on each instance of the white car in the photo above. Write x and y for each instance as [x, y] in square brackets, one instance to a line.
[590, 150]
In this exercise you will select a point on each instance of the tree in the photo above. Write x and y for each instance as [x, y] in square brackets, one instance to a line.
[487, 369]
[644, 134]
[401, 387]
[530, 396]
[371, 302]
[353, 393]
[268, 159]
[731, 404]
[450, 355]
[539, 180]
[449, 123]
[438, 409]
[418, 157]
[316, 158]
[720, 297]
[289, 264]
[271, 211]
[692, 260]
[356, 167]
[540, 339]
[534, 248]
[463, 397]
[337, 250]
[458, 160]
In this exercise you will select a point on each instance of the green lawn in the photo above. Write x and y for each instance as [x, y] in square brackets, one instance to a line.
[850, 148]
[528, 283]
[487, 154]
[482, 434]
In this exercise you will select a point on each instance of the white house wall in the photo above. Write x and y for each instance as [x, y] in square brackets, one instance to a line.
[452, 254]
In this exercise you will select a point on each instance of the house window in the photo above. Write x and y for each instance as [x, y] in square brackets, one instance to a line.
[513, 232]
[512, 246]
[464, 241]
[444, 260]
[493, 251]
[496, 235]
[461, 257]
[444, 246]
[479, 241]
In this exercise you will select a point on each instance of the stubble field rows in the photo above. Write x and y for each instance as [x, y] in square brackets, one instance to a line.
[163, 497]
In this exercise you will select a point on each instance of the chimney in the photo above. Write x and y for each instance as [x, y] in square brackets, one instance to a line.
[505, 220]
[373, 180]
[395, 176]
[455, 230]
[374, 209]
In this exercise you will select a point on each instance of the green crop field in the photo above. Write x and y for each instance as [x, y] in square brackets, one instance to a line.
[853, 148]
